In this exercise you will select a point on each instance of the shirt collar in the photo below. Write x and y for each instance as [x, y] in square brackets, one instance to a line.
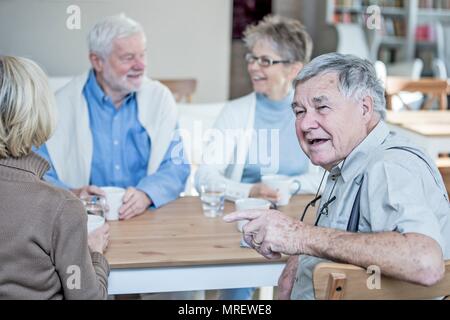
[32, 163]
[98, 94]
[94, 89]
[350, 166]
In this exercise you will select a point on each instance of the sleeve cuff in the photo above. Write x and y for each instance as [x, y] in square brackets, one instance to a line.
[152, 191]
[99, 259]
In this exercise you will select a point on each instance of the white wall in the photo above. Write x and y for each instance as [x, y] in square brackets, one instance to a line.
[186, 38]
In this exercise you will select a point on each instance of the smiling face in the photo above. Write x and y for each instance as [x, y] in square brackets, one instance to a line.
[273, 81]
[329, 125]
[123, 70]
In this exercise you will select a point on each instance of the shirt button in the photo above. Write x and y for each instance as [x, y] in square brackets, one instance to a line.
[116, 142]
[117, 167]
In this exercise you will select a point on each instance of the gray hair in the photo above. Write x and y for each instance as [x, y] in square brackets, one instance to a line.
[357, 77]
[104, 32]
[27, 107]
[288, 37]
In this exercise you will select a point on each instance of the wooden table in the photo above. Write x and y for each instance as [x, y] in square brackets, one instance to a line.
[429, 129]
[434, 87]
[176, 248]
[414, 117]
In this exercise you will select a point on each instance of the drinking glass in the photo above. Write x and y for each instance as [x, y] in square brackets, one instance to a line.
[95, 207]
[212, 195]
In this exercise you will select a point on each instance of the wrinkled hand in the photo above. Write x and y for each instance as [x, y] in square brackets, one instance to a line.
[260, 190]
[287, 278]
[270, 232]
[88, 190]
[98, 239]
[135, 202]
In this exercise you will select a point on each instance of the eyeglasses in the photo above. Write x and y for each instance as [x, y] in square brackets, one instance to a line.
[323, 210]
[263, 61]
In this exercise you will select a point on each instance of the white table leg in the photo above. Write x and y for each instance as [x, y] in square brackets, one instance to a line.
[266, 293]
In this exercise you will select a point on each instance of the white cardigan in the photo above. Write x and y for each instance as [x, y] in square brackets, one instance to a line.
[238, 117]
[71, 146]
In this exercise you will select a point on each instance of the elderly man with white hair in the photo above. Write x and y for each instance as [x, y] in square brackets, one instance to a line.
[384, 201]
[116, 127]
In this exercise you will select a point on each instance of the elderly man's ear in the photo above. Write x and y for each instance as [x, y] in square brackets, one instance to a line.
[367, 108]
[96, 62]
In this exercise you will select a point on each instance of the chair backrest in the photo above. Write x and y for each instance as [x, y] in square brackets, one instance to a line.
[433, 87]
[182, 89]
[334, 281]
[443, 43]
[380, 69]
[444, 168]
[411, 69]
[352, 40]
[439, 69]
[195, 120]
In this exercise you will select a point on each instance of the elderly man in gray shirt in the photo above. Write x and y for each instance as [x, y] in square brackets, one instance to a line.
[384, 201]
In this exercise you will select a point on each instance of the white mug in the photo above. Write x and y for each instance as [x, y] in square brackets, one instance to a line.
[114, 197]
[284, 185]
[247, 204]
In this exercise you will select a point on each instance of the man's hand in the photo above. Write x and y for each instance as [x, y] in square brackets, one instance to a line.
[260, 190]
[287, 278]
[135, 202]
[88, 190]
[270, 232]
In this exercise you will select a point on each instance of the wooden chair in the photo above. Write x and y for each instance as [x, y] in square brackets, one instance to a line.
[433, 87]
[182, 89]
[443, 165]
[334, 281]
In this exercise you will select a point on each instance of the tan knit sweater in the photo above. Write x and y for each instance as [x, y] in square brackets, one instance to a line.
[43, 238]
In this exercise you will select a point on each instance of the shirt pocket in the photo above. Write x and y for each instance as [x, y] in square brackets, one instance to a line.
[137, 148]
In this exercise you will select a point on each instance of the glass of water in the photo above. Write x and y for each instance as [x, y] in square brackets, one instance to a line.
[94, 205]
[212, 195]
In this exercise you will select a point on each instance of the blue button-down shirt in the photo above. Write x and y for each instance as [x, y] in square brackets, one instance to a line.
[121, 148]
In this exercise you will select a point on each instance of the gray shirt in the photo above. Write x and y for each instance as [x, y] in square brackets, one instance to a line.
[401, 191]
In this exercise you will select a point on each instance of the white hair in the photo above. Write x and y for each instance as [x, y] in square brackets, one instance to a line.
[357, 77]
[104, 32]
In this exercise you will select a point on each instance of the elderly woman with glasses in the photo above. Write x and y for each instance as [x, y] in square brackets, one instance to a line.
[255, 135]
[45, 251]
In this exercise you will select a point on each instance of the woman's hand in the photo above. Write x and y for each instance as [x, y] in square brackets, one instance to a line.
[260, 190]
[98, 239]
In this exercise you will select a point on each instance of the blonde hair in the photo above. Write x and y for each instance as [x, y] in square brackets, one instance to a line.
[288, 37]
[27, 107]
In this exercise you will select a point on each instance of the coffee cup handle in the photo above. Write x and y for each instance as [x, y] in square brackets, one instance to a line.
[299, 185]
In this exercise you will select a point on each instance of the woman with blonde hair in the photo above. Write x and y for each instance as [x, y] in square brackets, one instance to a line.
[45, 251]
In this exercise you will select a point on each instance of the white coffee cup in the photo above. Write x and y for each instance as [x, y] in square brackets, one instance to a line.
[248, 204]
[114, 197]
[284, 185]
[94, 222]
